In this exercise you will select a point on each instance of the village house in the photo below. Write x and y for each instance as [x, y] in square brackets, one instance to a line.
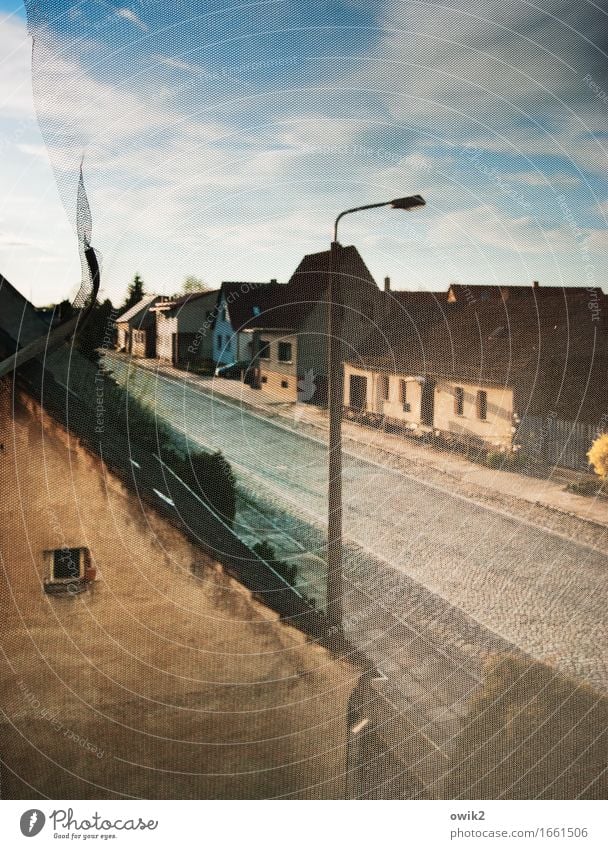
[479, 374]
[134, 661]
[136, 328]
[184, 330]
[239, 302]
[291, 329]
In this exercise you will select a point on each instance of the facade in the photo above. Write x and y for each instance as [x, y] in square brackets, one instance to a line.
[184, 330]
[488, 371]
[239, 303]
[136, 328]
[295, 315]
[278, 365]
[122, 642]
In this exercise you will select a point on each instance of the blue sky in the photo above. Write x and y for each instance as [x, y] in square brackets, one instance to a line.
[223, 144]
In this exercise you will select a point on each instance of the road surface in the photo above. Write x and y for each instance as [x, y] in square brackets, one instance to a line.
[525, 585]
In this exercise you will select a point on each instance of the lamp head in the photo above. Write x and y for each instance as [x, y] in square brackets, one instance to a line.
[408, 203]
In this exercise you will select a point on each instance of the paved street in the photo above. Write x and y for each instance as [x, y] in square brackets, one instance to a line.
[531, 587]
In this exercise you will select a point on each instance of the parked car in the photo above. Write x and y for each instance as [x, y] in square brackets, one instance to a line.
[232, 371]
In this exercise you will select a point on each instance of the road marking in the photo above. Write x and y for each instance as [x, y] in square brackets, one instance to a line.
[163, 496]
[134, 462]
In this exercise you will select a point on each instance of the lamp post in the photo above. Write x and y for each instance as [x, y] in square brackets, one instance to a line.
[335, 391]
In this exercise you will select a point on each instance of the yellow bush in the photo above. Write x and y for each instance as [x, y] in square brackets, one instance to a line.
[598, 455]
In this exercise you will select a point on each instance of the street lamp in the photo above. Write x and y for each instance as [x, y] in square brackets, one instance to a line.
[335, 383]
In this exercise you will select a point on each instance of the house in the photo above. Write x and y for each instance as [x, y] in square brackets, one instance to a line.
[132, 660]
[184, 329]
[239, 302]
[26, 323]
[136, 328]
[291, 329]
[475, 373]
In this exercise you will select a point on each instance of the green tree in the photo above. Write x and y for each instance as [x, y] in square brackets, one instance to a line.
[135, 293]
[194, 284]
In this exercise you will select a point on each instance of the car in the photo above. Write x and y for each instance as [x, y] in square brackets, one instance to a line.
[232, 371]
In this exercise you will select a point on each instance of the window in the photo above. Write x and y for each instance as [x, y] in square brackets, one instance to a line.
[256, 311]
[67, 564]
[219, 341]
[69, 571]
[284, 352]
[284, 384]
[223, 314]
[482, 405]
[264, 349]
[384, 387]
[403, 396]
[459, 401]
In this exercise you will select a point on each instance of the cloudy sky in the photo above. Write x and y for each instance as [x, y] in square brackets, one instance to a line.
[221, 139]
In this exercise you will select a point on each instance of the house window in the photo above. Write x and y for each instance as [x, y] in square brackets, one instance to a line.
[403, 396]
[284, 384]
[384, 387]
[264, 349]
[459, 401]
[482, 405]
[284, 352]
[219, 341]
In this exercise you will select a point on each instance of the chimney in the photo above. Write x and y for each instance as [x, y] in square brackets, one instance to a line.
[387, 284]
[273, 279]
[535, 284]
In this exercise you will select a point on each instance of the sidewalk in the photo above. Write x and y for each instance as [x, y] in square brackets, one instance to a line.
[415, 458]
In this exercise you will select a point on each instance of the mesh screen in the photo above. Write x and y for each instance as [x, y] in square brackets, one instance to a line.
[198, 656]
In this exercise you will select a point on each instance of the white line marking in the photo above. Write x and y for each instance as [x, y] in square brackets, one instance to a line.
[164, 497]
[134, 462]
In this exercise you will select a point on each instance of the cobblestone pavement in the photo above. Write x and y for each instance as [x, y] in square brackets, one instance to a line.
[467, 569]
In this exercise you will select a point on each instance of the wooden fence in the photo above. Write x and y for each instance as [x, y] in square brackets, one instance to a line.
[556, 442]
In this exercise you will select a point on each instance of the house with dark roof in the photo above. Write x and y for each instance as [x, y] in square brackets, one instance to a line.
[478, 371]
[184, 329]
[136, 328]
[238, 304]
[291, 327]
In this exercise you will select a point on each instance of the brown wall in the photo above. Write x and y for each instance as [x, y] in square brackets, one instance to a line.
[164, 679]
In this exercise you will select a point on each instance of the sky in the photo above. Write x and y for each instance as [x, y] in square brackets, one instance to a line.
[221, 139]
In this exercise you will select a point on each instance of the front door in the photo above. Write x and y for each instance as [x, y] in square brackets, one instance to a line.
[357, 392]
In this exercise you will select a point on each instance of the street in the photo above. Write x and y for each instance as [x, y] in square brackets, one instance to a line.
[522, 584]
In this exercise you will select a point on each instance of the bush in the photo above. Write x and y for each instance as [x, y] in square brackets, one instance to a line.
[211, 477]
[598, 456]
[586, 487]
[531, 733]
[267, 553]
[494, 459]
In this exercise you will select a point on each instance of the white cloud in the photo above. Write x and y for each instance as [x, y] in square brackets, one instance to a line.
[129, 15]
[536, 178]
